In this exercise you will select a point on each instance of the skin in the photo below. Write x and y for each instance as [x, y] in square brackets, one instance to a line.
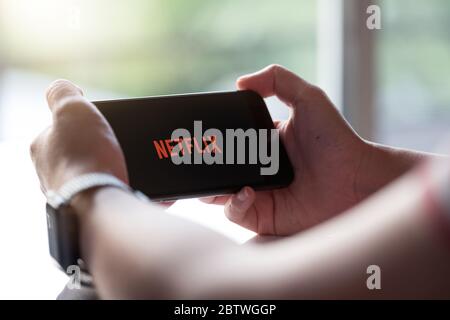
[342, 234]
[334, 167]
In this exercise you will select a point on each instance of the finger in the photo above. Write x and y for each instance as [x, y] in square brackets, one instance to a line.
[275, 80]
[59, 90]
[66, 99]
[237, 206]
[37, 149]
[166, 204]
[36, 144]
[278, 123]
[218, 200]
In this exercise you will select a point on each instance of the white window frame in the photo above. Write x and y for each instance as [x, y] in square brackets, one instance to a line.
[346, 61]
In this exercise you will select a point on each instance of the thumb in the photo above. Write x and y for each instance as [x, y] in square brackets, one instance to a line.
[59, 90]
[238, 205]
[66, 101]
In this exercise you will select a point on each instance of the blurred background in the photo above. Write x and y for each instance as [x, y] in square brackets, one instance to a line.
[392, 84]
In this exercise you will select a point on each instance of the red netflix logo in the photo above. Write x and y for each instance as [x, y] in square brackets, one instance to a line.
[164, 148]
[205, 147]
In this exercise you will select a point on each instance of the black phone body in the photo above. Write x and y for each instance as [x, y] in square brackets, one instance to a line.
[144, 127]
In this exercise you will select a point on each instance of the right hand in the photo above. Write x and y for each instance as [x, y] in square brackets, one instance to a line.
[324, 150]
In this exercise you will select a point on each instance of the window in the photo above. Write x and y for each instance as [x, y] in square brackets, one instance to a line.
[413, 63]
[137, 47]
[117, 49]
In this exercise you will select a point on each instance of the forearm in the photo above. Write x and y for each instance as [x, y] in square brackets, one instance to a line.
[380, 165]
[393, 230]
[160, 256]
[136, 250]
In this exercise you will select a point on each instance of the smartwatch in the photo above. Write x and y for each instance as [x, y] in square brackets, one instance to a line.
[62, 222]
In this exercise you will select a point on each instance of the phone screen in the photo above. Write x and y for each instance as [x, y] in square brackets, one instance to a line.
[144, 128]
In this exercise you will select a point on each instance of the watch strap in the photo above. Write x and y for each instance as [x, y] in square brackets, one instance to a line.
[63, 237]
[62, 221]
[70, 189]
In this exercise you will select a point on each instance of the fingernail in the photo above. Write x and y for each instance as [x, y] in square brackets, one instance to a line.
[242, 195]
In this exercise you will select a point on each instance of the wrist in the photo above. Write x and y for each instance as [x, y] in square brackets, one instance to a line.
[71, 226]
[83, 184]
[365, 183]
[65, 218]
[67, 171]
[380, 165]
[83, 201]
[434, 176]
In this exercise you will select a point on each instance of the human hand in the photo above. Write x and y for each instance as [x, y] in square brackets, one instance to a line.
[325, 152]
[79, 140]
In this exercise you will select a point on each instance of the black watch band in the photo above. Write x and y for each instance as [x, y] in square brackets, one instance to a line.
[62, 227]
[62, 222]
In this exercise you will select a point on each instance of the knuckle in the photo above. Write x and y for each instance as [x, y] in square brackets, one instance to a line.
[74, 106]
[315, 93]
[32, 148]
[276, 68]
[228, 213]
[61, 86]
[55, 85]
[59, 83]
[36, 144]
[233, 214]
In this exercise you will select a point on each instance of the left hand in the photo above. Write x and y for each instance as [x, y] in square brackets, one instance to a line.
[79, 140]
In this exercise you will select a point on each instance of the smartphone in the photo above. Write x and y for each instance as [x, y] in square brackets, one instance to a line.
[228, 141]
